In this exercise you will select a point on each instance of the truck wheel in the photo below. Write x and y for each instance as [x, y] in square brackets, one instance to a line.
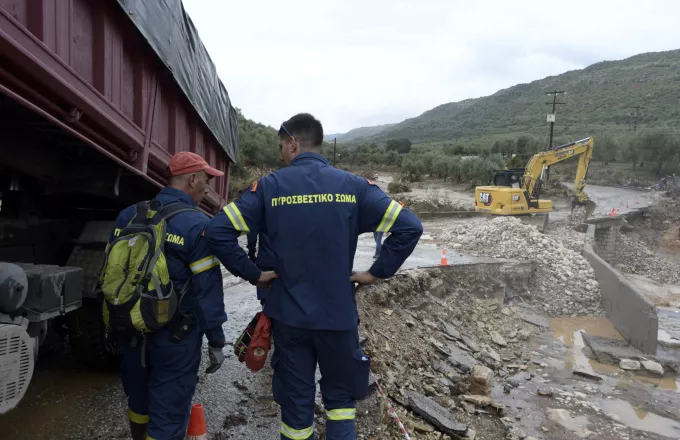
[88, 338]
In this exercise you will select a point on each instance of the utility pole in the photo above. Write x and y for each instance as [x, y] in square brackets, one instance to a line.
[637, 110]
[551, 119]
[335, 143]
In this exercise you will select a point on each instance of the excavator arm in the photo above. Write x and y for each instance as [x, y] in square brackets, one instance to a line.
[534, 170]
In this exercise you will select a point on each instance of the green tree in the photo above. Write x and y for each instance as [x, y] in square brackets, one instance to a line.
[660, 148]
[400, 145]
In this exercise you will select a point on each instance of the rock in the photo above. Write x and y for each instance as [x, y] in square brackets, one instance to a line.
[514, 382]
[493, 354]
[545, 392]
[506, 311]
[470, 343]
[435, 414]
[449, 329]
[480, 401]
[564, 419]
[461, 359]
[629, 365]
[587, 375]
[498, 339]
[524, 334]
[653, 367]
[481, 379]
[421, 427]
[430, 324]
[536, 320]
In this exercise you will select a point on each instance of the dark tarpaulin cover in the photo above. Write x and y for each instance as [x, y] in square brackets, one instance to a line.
[171, 33]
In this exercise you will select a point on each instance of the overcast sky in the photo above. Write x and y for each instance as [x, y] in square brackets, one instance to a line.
[357, 63]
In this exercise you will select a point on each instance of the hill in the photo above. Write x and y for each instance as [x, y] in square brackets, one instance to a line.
[599, 99]
[356, 133]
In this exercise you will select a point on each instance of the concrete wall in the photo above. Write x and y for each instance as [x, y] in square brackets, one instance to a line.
[631, 312]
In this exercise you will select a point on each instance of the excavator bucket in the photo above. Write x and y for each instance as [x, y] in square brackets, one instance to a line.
[589, 206]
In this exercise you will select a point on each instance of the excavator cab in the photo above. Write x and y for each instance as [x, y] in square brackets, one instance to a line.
[509, 177]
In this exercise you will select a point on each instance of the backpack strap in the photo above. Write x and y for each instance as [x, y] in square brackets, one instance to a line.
[164, 213]
[174, 208]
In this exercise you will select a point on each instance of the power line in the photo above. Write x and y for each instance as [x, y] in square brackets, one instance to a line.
[551, 116]
[551, 119]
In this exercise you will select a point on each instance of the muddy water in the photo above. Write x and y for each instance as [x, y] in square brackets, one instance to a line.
[568, 331]
[637, 418]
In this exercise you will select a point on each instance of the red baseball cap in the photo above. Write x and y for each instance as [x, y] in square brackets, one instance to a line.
[186, 162]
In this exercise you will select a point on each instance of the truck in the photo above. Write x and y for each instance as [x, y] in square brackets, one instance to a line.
[95, 97]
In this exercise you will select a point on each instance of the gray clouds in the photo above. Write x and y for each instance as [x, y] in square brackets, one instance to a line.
[355, 63]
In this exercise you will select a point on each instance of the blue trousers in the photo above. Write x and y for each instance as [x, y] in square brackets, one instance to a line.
[161, 393]
[344, 379]
[378, 242]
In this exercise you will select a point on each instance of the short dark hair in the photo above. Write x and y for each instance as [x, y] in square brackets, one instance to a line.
[305, 127]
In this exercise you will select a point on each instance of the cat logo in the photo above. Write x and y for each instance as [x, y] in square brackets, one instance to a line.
[515, 198]
[485, 198]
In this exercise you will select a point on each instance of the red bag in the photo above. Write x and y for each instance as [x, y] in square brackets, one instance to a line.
[243, 341]
[260, 343]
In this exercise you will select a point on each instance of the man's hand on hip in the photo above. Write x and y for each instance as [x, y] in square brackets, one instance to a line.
[266, 278]
[363, 278]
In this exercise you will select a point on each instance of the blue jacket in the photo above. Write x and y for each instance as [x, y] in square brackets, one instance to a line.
[313, 214]
[187, 256]
[265, 258]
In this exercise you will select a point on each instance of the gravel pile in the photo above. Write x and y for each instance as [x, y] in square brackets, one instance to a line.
[564, 283]
[640, 260]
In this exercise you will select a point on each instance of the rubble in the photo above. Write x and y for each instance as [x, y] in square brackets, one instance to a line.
[436, 414]
[564, 282]
[563, 418]
[629, 365]
[640, 260]
[481, 379]
[653, 367]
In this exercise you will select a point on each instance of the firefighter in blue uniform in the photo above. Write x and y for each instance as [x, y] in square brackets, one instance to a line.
[313, 214]
[160, 374]
[260, 253]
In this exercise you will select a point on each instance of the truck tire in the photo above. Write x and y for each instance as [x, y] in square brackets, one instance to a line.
[87, 335]
[86, 328]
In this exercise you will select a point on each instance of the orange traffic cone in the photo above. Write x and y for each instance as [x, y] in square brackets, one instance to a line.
[197, 429]
[444, 262]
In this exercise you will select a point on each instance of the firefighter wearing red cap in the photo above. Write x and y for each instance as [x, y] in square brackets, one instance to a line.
[160, 371]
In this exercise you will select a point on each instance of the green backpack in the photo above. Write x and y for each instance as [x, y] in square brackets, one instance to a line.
[138, 293]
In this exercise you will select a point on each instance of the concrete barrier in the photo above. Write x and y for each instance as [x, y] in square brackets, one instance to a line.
[632, 313]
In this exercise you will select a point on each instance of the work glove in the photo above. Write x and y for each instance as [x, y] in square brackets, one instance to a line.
[216, 356]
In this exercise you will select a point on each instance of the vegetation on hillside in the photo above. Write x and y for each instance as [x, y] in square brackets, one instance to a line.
[599, 100]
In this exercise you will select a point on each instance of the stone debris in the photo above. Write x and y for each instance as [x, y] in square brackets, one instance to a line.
[587, 375]
[641, 260]
[481, 379]
[435, 414]
[629, 365]
[559, 268]
[498, 339]
[563, 418]
[653, 367]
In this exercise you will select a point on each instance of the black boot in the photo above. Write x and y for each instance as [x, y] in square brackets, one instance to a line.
[138, 431]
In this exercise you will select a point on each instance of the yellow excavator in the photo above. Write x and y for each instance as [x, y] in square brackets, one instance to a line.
[517, 191]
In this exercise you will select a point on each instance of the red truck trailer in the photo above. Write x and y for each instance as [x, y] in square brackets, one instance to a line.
[95, 97]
